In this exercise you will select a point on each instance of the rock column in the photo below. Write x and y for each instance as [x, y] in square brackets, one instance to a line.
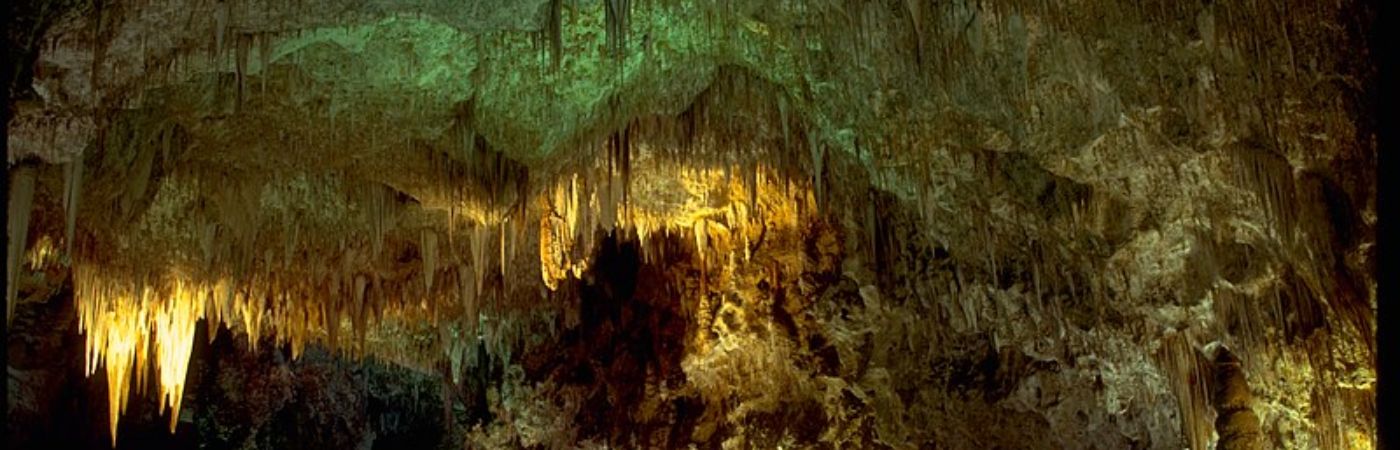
[1235, 422]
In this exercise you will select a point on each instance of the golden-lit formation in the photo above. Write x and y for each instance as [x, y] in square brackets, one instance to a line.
[127, 324]
[138, 325]
[42, 254]
[356, 295]
[560, 230]
[721, 210]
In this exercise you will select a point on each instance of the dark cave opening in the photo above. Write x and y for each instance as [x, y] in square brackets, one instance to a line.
[631, 335]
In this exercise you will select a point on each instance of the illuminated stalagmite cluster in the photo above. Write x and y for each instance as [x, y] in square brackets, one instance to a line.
[726, 223]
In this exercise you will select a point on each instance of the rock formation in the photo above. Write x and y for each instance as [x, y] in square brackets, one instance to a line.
[676, 223]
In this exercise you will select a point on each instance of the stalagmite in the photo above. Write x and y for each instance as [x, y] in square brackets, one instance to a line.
[1236, 424]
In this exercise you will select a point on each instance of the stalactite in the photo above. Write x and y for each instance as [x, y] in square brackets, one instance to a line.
[620, 160]
[472, 311]
[359, 313]
[175, 323]
[264, 57]
[1270, 177]
[72, 191]
[243, 46]
[608, 202]
[701, 239]
[477, 242]
[915, 11]
[966, 303]
[126, 323]
[818, 154]
[378, 218]
[872, 227]
[21, 204]
[1036, 262]
[429, 250]
[333, 314]
[221, 18]
[290, 236]
[1188, 374]
[617, 15]
[553, 27]
[501, 261]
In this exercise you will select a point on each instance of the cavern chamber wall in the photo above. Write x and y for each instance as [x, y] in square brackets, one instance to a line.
[675, 223]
